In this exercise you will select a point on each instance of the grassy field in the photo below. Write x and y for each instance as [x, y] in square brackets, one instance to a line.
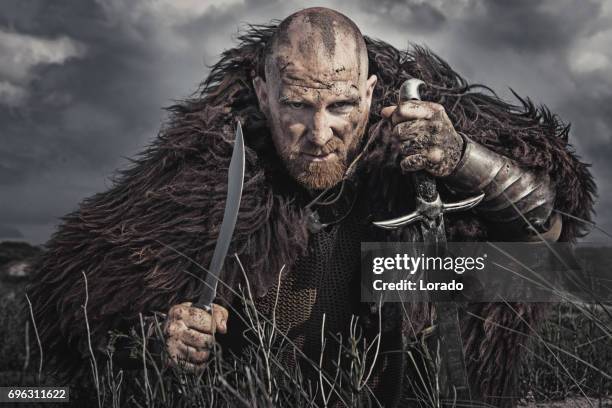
[569, 363]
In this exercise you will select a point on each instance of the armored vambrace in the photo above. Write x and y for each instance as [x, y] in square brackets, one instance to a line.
[520, 200]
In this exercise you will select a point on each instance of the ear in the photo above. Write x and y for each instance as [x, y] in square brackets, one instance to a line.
[370, 84]
[261, 90]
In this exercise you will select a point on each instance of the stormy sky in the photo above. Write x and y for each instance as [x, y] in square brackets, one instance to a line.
[83, 82]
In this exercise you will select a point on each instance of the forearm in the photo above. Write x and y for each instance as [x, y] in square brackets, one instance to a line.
[516, 198]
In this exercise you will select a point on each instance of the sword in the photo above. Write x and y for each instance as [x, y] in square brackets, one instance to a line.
[235, 181]
[430, 213]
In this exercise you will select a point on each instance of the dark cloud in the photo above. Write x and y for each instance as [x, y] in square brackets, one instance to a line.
[532, 26]
[407, 14]
[84, 115]
[67, 125]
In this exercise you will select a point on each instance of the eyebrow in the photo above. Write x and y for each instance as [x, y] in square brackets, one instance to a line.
[352, 93]
[349, 98]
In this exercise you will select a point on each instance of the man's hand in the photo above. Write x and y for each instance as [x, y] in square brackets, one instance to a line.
[189, 333]
[425, 137]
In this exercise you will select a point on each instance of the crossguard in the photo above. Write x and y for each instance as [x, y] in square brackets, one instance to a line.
[429, 211]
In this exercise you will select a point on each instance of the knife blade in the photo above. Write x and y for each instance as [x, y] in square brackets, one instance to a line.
[235, 182]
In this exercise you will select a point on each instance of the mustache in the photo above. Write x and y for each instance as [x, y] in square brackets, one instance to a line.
[335, 144]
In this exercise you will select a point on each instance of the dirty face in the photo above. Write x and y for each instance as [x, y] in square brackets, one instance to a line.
[317, 99]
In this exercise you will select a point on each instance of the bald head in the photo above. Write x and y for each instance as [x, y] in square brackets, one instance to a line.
[317, 35]
[316, 94]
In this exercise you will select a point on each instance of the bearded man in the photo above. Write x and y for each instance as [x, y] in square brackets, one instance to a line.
[328, 152]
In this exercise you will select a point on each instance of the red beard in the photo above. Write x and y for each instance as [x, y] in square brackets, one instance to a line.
[319, 175]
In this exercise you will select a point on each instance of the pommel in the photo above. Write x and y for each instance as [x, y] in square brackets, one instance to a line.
[409, 91]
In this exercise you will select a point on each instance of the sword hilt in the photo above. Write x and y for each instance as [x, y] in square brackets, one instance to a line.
[429, 207]
[424, 182]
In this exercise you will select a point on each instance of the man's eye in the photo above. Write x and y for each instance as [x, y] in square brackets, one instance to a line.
[342, 106]
[295, 105]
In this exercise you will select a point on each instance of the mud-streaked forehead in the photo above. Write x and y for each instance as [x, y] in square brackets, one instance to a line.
[318, 74]
[319, 57]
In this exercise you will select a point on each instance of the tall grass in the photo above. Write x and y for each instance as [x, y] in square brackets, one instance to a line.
[571, 355]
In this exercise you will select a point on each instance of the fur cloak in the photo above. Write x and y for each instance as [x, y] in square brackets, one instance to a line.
[134, 241]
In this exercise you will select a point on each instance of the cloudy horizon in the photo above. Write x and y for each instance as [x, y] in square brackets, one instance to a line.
[83, 83]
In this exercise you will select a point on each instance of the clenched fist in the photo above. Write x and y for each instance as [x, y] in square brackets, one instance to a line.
[189, 333]
[425, 137]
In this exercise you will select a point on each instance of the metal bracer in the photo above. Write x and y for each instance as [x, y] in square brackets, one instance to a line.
[512, 194]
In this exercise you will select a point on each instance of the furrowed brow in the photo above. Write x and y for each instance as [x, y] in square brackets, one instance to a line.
[348, 98]
[289, 94]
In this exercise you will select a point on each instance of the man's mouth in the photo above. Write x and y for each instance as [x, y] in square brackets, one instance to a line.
[318, 157]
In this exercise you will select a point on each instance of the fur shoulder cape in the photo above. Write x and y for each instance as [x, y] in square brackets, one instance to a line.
[134, 241]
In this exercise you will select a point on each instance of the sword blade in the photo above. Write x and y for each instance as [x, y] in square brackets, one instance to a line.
[235, 182]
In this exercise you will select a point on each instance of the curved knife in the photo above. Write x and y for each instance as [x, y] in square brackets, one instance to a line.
[235, 181]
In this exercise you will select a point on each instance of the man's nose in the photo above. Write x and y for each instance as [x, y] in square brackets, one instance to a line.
[320, 131]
